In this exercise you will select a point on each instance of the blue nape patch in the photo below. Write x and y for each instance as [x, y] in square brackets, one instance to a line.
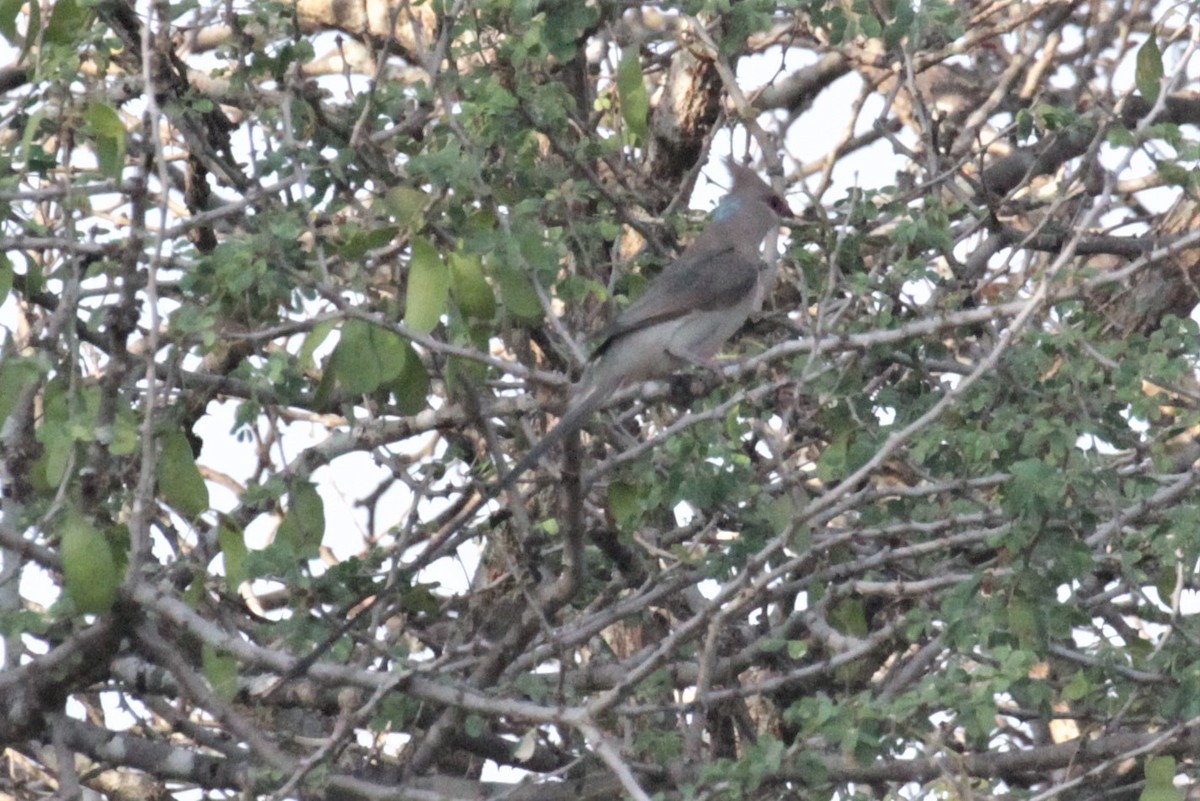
[726, 208]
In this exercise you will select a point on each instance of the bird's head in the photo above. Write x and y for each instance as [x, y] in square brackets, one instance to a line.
[750, 210]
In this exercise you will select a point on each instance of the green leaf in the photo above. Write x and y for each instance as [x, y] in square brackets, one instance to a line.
[395, 712]
[533, 686]
[68, 19]
[849, 616]
[106, 129]
[831, 464]
[220, 668]
[1024, 124]
[179, 479]
[779, 513]
[520, 298]
[303, 526]
[1148, 73]
[366, 357]
[428, 287]
[103, 120]
[624, 502]
[1160, 780]
[470, 288]
[90, 572]
[872, 28]
[233, 547]
[16, 375]
[6, 276]
[407, 206]
[564, 27]
[1165, 583]
[360, 242]
[51, 467]
[1160, 770]
[473, 725]
[9, 9]
[126, 434]
[411, 387]
[32, 150]
[1023, 622]
[631, 88]
[1033, 488]
[1077, 688]
[315, 338]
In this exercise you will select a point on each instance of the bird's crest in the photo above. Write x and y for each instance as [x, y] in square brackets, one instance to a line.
[745, 180]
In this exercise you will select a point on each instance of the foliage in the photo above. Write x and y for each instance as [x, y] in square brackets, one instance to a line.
[287, 287]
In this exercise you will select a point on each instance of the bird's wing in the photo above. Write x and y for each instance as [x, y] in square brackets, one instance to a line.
[697, 281]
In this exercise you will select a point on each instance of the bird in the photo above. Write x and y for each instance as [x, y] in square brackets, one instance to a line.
[688, 312]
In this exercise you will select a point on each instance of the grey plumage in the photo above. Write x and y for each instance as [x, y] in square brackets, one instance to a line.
[687, 314]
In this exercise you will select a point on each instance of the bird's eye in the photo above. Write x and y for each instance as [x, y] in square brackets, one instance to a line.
[780, 206]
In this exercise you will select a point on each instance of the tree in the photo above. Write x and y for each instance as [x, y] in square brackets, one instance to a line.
[289, 285]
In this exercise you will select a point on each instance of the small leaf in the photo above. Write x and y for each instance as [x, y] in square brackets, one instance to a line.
[533, 686]
[9, 9]
[473, 725]
[366, 357]
[179, 479]
[849, 616]
[464, 376]
[407, 206]
[470, 288]
[623, 502]
[315, 338]
[51, 467]
[35, 278]
[126, 434]
[68, 19]
[520, 298]
[411, 387]
[1033, 488]
[1165, 584]
[1161, 793]
[1023, 622]
[872, 28]
[1025, 123]
[303, 526]
[1077, 688]
[233, 547]
[780, 514]
[428, 287]
[103, 120]
[16, 375]
[220, 669]
[1149, 70]
[359, 243]
[1160, 770]
[90, 572]
[106, 129]
[831, 465]
[1160, 780]
[6, 276]
[631, 88]
[31, 149]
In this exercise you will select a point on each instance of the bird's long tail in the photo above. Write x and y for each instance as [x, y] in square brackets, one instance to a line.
[597, 388]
